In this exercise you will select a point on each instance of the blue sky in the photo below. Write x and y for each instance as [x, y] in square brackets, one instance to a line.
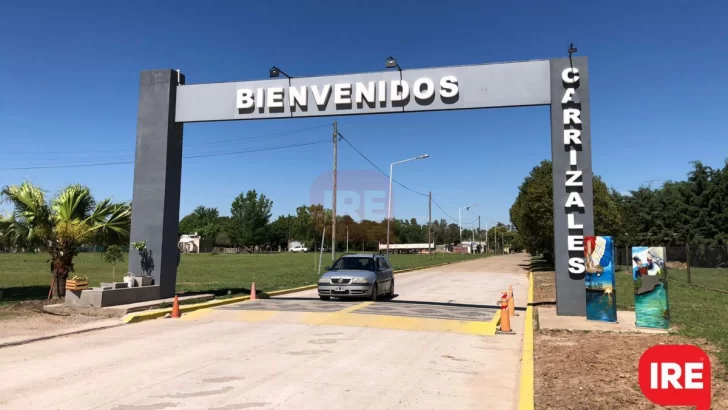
[70, 78]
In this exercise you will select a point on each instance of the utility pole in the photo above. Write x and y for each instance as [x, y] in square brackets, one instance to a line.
[333, 197]
[487, 249]
[347, 238]
[480, 235]
[429, 226]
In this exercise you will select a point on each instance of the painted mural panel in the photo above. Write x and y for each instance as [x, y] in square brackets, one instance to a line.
[600, 280]
[650, 287]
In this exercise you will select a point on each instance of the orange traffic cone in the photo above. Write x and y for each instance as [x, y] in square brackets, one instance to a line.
[175, 308]
[252, 292]
[505, 319]
[511, 303]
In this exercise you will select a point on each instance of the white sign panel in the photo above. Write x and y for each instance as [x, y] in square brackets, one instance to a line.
[462, 87]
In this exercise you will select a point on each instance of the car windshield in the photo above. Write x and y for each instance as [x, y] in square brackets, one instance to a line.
[352, 263]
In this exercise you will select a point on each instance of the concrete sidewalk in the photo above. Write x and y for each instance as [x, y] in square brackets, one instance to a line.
[71, 330]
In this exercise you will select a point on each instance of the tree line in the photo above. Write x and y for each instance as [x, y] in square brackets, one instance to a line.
[693, 211]
[250, 224]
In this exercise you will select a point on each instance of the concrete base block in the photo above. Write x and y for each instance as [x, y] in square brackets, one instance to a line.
[103, 297]
[114, 285]
[121, 310]
[143, 281]
[547, 319]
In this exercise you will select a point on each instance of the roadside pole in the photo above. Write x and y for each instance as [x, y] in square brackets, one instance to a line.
[333, 197]
[429, 227]
[480, 236]
[321, 254]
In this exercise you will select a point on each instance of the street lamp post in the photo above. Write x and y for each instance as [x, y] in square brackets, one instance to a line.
[460, 220]
[389, 202]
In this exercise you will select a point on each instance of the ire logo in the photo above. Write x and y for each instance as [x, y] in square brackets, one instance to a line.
[676, 375]
[361, 194]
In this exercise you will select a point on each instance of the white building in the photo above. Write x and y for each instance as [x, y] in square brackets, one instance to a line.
[472, 246]
[407, 247]
[193, 243]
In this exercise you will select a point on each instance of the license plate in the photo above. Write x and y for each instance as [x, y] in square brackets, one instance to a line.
[339, 289]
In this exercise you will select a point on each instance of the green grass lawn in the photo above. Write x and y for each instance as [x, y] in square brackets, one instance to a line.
[694, 312]
[27, 276]
[716, 278]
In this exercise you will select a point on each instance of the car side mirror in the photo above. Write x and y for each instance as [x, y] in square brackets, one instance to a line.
[327, 268]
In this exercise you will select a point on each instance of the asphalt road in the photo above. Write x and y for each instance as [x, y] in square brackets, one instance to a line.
[422, 350]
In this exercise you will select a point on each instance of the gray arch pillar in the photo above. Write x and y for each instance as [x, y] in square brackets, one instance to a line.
[157, 179]
[572, 179]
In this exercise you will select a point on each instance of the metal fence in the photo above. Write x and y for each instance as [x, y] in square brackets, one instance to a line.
[704, 266]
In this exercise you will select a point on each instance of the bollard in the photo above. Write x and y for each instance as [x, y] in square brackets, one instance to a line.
[505, 327]
[175, 308]
[252, 292]
[511, 302]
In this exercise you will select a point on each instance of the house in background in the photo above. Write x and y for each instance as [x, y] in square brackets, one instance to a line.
[193, 243]
[472, 246]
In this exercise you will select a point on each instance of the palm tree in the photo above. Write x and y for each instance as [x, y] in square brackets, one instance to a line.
[62, 225]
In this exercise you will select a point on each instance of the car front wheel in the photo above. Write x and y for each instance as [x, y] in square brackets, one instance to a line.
[375, 292]
[324, 297]
[390, 294]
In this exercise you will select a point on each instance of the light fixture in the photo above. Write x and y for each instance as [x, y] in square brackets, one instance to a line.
[572, 49]
[391, 62]
[275, 72]
[424, 156]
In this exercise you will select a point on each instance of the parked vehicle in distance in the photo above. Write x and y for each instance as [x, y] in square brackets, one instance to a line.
[357, 275]
[298, 248]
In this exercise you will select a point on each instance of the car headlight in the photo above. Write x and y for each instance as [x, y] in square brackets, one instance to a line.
[360, 280]
[323, 280]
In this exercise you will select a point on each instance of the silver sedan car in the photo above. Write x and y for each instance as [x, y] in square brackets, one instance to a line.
[357, 275]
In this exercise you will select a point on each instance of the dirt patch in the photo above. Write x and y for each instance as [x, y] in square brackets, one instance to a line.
[544, 287]
[676, 265]
[579, 370]
[27, 318]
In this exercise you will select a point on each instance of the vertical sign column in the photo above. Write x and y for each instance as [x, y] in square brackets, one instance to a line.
[572, 179]
[157, 179]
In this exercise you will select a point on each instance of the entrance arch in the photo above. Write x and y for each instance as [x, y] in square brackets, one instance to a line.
[166, 102]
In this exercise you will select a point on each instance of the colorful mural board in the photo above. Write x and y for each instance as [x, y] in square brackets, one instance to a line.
[650, 287]
[600, 281]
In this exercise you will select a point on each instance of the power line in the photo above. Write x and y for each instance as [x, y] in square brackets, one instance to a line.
[471, 222]
[204, 144]
[387, 175]
[185, 157]
[443, 211]
[275, 134]
[379, 169]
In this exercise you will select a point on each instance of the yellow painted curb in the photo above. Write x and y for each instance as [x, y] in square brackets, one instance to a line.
[157, 313]
[292, 290]
[526, 388]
